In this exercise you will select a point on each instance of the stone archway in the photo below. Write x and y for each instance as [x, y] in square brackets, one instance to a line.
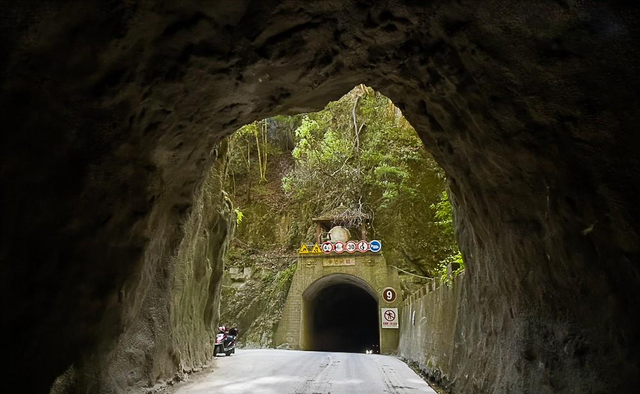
[116, 111]
[320, 281]
[340, 313]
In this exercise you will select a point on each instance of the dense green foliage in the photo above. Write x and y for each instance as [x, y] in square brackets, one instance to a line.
[358, 153]
[359, 156]
[444, 214]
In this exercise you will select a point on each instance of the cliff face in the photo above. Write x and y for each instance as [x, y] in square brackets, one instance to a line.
[112, 112]
[170, 309]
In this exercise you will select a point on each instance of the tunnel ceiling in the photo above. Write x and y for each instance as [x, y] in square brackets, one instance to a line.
[112, 112]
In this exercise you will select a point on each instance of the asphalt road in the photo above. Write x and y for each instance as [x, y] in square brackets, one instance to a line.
[288, 371]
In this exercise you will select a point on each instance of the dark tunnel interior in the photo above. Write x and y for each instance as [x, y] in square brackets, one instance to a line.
[344, 318]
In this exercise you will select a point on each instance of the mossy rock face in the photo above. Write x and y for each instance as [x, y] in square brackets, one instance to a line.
[268, 228]
[255, 304]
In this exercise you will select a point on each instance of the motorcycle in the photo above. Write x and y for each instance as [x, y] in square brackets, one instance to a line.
[225, 341]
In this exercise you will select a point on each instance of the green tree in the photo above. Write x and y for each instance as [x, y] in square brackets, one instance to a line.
[361, 153]
[356, 153]
[444, 214]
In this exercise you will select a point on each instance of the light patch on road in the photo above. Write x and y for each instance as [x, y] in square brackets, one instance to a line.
[263, 385]
[271, 371]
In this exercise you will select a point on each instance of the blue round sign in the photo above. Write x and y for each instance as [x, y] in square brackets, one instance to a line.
[375, 246]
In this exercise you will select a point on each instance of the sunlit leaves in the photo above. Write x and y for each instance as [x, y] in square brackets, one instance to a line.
[348, 163]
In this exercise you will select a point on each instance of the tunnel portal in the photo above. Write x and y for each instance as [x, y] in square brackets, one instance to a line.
[334, 304]
[343, 318]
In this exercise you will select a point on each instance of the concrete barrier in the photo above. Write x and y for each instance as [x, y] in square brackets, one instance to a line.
[429, 328]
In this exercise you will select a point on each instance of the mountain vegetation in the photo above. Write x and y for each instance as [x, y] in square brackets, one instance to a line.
[359, 157]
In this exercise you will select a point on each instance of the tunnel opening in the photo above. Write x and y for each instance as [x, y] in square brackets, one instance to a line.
[545, 179]
[357, 166]
[340, 314]
[357, 163]
[344, 318]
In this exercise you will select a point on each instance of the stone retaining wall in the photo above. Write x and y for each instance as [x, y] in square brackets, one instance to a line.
[431, 336]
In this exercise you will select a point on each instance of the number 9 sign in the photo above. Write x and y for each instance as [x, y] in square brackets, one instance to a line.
[389, 294]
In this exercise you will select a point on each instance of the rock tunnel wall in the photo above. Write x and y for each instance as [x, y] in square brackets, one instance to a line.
[170, 309]
[111, 112]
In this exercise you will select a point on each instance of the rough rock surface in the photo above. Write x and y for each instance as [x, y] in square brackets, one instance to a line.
[171, 310]
[111, 112]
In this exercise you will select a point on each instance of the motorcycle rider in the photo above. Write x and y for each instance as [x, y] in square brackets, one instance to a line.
[225, 341]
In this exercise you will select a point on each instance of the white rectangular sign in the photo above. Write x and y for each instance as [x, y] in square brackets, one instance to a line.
[389, 317]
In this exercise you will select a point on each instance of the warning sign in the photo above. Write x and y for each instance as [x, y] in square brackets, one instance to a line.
[303, 250]
[389, 317]
[316, 249]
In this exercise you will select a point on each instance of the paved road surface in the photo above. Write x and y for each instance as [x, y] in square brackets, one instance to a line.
[296, 372]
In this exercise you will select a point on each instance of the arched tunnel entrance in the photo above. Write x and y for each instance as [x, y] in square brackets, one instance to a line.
[343, 318]
[340, 314]
[115, 115]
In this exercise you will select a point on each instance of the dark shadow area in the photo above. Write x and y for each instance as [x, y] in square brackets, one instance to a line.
[344, 318]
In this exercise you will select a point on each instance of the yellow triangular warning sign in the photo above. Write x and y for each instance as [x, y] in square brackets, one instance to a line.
[316, 249]
[303, 250]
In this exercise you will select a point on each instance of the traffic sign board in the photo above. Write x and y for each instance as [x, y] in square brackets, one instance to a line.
[389, 317]
[375, 246]
[351, 246]
[389, 294]
[363, 246]
[303, 250]
[327, 247]
[316, 249]
[338, 247]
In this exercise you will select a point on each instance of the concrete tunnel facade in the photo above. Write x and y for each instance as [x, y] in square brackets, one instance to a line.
[353, 283]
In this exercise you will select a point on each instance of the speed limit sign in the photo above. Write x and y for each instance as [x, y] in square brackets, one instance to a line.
[389, 294]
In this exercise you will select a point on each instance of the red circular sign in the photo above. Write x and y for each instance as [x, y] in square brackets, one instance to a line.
[363, 246]
[351, 247]
[338, 247]
[389, 316]
[327, 247]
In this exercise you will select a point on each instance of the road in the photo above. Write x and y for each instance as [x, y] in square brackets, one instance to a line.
[271, 371]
